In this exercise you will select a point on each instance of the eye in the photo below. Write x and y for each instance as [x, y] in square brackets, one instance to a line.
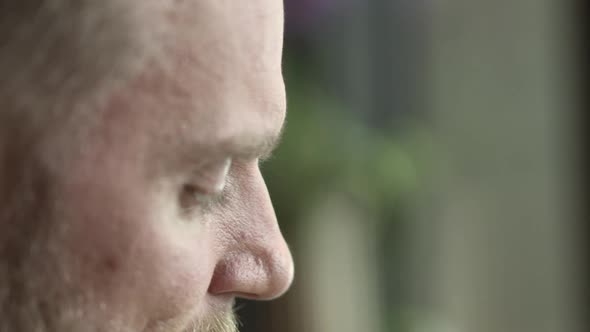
[192, 197]
[206, 187]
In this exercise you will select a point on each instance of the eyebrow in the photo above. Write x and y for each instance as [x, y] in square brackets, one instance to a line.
[249, 147]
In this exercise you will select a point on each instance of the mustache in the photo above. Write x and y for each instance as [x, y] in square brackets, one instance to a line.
[226, 321]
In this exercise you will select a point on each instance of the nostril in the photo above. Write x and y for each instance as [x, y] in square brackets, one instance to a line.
[256, 277]
[240, 273]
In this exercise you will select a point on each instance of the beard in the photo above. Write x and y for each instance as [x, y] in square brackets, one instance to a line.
[225, 322]
[25, 307]
[221, 321]
[35, 292]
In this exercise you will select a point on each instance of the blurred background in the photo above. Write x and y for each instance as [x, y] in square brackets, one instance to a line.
[429, 178]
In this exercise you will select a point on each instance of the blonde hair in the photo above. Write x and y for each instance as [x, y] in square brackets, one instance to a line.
[54, 53]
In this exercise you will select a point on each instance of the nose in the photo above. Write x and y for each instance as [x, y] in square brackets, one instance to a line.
[256, 262]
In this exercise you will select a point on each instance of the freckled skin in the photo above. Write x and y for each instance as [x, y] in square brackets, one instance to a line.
[122, 239]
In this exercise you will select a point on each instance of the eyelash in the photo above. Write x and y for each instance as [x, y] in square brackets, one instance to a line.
[195, 199]
[194, 196]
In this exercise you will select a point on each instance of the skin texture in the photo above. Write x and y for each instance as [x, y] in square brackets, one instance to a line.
[149, 213]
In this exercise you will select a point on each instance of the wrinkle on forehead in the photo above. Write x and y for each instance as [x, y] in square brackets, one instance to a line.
[226, 67]
[229, 28]
[218, 81]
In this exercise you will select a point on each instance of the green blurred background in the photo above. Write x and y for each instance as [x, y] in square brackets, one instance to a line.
[427, 177]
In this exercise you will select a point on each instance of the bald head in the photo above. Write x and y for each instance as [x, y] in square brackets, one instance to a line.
[55, 51]
[130, 194]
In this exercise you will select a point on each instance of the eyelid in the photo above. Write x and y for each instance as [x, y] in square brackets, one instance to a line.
[212, 179]
[205, 197]
[207, 187]
[194, 198]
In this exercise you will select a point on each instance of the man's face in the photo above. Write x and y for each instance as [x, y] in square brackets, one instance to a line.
[151, 214]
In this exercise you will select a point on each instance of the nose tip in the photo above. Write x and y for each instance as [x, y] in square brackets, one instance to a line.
[279, 275]
[258, 275]
[256, 262]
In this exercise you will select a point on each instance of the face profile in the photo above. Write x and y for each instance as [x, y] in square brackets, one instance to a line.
[131, 197]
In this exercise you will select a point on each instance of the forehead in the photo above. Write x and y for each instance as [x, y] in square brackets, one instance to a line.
[227, 58]
[227, 29]
[218, 79]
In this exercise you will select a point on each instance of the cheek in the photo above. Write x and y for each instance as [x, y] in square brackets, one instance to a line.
[129, 252]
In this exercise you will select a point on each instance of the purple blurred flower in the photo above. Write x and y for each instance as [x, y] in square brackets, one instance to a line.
[301, 15]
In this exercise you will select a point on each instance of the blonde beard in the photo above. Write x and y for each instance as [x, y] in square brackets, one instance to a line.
[31, 310]
[226, 322]
[33, 296]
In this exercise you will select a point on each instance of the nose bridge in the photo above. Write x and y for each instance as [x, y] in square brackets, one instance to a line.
[258, 263]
